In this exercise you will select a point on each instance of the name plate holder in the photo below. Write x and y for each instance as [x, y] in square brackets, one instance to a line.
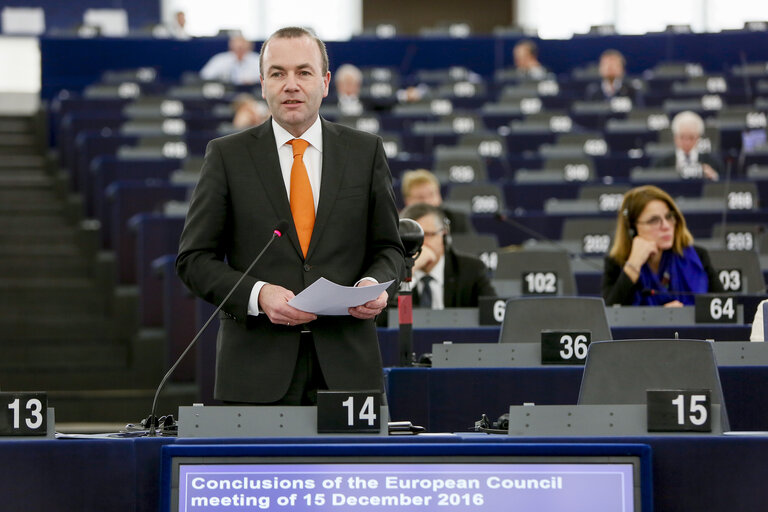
[256, 421]
[591, 420]
[438, 318]
[485, 355]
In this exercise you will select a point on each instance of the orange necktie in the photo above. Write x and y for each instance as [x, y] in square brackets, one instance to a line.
[302, 202]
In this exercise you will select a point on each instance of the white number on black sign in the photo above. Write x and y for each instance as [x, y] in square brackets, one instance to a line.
[576, 172]
[740, 200]
[540, 283]
[739, 241]
[461, 173]
[490, 258]
[574, 347]
[722, 308]
[609, 202]
[595, 244]
[697, 409]
[499, 308]
[730, 279]
[485, 204]
[35, 408]
[366, 411]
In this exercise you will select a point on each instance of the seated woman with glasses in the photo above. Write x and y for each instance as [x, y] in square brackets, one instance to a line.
[653, 260]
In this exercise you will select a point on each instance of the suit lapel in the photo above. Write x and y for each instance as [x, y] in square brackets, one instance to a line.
[449, 276]
[266, 163]
[335, 151]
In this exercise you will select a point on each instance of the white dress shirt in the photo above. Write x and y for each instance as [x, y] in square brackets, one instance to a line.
[313, 161]
[437, 285]
[758, 329]
[681, 160]
[225, 67]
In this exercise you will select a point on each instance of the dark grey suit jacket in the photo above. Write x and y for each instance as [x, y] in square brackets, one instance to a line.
[466, 280]
[235, 207]
[704, 158]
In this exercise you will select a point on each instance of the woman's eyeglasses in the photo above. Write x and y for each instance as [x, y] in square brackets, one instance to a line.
[655, 221]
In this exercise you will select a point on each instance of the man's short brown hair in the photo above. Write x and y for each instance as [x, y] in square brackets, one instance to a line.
[293, 33]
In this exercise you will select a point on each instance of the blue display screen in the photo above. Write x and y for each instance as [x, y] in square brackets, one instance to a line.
[394, 477]
[393, 486]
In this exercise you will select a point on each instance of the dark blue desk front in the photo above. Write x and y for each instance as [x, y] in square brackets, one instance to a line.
[450, 400]
[123, 475]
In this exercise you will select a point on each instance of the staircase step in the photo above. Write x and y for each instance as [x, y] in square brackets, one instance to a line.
[22, 235]
[20, 138]
[18, 196]
[44, 266]
[51, 251]
[32, 209]
[22, 162]
[15, 124]
[36, 222]
[25, 298]
[120, 405]
[10, 176]
[62, 354]
[53, 330]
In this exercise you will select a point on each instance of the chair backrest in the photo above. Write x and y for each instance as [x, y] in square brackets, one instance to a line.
[595, 235]
[741, 236]
[481, 245]
[459, 165]
[514, 265]
[526, 317]
[620, 372]
[474, 243]
[748, 262]
[609, 197]
[475, 198]
[486, 144]
[739, 195]
[576, 168]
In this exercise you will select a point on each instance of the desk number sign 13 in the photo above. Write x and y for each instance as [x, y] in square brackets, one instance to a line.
[23, 414]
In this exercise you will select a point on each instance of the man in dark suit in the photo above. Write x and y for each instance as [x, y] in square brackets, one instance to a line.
[442, 277]
[336, 193]
[687, 129]
[612, 84]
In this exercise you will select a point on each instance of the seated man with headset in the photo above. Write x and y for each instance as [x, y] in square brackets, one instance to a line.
[442, 277]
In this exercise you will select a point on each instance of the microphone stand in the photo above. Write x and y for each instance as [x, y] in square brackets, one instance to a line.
[405, 316]
[152, 420]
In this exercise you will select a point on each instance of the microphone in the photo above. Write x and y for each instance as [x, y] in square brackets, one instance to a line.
[525, 229]
[650, 292]
[281, 227]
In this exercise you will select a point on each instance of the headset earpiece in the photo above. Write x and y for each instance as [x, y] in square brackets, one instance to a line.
[631, 231]
[447, 240]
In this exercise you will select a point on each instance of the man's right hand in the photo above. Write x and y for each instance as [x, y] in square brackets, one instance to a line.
[273, 301]
[426, 260]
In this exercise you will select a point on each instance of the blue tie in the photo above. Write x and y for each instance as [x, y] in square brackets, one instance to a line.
[425, 300]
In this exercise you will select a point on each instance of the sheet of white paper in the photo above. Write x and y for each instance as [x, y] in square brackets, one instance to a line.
[324, 297]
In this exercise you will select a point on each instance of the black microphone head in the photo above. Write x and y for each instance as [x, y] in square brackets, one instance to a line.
[411, 235]
[282, 227]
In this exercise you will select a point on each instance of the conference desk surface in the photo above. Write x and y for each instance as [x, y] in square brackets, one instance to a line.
[424, 338]
[712, 473]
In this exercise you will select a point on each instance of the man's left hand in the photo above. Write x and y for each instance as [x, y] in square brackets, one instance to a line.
[371, 308]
